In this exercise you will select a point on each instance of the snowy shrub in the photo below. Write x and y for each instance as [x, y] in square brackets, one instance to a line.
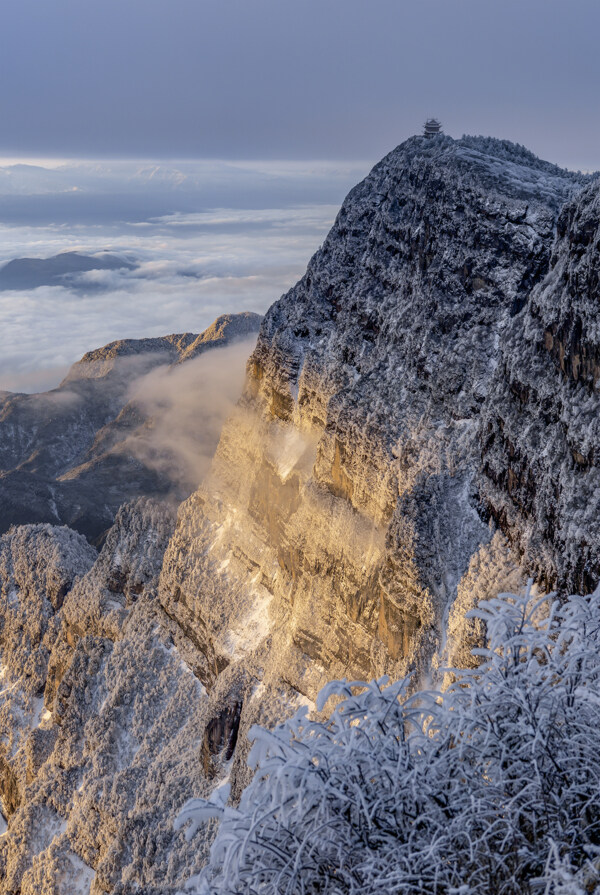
[491, 787]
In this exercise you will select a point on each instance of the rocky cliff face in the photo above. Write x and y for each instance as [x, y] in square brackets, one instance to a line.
[541, 431]
[344, 495]
[101, 716]
[433, 368]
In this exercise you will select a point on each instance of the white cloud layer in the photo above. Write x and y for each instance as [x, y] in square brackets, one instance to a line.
[192, 264]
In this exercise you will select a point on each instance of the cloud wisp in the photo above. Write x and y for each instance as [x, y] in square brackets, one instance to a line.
[186, 406]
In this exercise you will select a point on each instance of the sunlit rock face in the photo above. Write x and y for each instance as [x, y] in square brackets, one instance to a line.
[541, 433]
[102, 718]
[342, 510]
[106, 725]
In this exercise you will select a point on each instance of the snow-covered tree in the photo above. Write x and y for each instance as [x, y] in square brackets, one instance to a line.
[491, 788]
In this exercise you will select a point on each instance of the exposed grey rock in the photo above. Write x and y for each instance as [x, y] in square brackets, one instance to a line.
[541, 426]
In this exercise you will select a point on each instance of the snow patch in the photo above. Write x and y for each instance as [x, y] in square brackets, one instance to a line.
[251, 629]
[288, 452]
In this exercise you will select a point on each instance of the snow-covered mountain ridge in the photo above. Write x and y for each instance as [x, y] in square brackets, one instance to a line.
[415, 410]
[74, 454]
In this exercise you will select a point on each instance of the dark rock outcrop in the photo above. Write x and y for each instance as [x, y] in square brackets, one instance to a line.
[59, 270]
[541, 428]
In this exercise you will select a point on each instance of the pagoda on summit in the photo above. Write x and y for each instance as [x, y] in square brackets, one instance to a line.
[432, 127]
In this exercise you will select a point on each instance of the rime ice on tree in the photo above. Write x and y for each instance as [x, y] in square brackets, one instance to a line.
[432, 127]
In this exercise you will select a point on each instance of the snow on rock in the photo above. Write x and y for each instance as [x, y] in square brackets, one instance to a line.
[492, 571]
[92, 791]
[39, 565]
[346, 481]
[541, 427]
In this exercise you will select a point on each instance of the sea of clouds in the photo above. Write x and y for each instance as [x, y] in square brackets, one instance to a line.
[208, 237]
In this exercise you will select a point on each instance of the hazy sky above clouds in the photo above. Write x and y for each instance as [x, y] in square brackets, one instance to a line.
[296, 78]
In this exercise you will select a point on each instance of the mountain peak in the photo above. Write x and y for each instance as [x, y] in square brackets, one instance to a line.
[171, 349]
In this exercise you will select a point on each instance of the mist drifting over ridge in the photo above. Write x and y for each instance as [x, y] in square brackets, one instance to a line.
[187, 405]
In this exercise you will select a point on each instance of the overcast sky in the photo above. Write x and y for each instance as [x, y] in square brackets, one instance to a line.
[295, 78]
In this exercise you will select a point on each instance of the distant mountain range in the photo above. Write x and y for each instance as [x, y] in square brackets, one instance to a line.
[59, 270]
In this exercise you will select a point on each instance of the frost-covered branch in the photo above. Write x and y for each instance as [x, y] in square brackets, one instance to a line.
[491, 787]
